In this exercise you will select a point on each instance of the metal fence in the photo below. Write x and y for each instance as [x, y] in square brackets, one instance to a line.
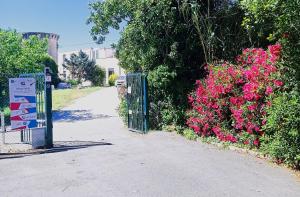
[40, 104]
[137, 102]
[9, 136]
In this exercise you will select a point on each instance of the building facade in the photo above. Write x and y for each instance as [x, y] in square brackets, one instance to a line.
[104, 58]
[52, 42]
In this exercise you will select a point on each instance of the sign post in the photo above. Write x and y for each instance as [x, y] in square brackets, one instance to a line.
[48, 99]
[22, 93]
[2, 127]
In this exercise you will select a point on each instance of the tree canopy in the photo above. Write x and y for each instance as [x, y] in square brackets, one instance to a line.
[50, 63]
[171, 41]
[276, 21]
[82, 68]
[17, 56]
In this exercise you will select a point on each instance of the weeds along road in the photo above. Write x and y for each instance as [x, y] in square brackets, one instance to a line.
[95, 155]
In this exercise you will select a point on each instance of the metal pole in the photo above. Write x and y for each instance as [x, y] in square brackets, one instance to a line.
[2, 128]
[146, 107]
[48, 108]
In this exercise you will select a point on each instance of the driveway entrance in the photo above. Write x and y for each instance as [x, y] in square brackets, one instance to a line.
[95, 155]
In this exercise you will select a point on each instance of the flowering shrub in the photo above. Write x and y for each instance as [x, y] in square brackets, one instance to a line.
[231, 101]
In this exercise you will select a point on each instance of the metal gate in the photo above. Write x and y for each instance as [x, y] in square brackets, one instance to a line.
[44, 112]
[137, 102]
[40, 104]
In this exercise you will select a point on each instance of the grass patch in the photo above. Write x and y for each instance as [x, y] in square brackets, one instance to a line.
[63, 98]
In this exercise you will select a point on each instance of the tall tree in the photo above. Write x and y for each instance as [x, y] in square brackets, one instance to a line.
[18, 56]
[276, 21]
[163, 39]
[77, 64]
[82, 68]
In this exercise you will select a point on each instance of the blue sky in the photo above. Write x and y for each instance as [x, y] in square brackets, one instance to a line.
[64, 17]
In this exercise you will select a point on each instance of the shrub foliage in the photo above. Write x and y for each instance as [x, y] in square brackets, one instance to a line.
[231, 101]
[170, 41]
[282, 129]
[112, 79]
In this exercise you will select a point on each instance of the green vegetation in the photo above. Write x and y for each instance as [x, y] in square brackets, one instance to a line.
[276, 21]
[73, 82]
[189, 134]
[282, 138]
[170, 41]
[50, 63]
[18, 56]
[112, 79]
[6, 111]
[63, 98]
[123, 111]
[96, 75]
[176, 43]
[81, 68]
[279, 21]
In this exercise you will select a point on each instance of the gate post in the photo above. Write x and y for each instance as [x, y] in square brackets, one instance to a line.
[48, 109]
[2, 128]
[146, 106]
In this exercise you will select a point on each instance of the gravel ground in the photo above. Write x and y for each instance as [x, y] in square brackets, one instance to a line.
[95, 155]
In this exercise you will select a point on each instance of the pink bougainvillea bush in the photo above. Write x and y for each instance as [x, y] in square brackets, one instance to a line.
[230, 102]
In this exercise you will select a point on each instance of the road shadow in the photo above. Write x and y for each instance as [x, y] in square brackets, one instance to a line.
[59, 146]
[76, 115]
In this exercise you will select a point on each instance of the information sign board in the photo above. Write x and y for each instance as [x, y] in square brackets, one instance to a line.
[22, 93]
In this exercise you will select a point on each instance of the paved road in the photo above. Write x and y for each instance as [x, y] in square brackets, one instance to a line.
[96, 156]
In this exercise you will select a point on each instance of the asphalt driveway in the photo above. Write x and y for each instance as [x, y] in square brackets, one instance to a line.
[95, 155]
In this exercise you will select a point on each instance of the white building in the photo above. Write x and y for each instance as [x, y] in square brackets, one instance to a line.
[104, 57]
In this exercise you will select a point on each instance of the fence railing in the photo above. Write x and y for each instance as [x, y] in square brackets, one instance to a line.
[43, 107]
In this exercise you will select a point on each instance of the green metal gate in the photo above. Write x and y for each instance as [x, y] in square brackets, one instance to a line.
[137, 102]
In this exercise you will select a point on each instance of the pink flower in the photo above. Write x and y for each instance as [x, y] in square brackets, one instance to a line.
[231, 138]
[216, 130]
[233, 100]
[251, 107]
[256, 142]
[236, 96]
[248, 74]
[191, 99]
[278, 83]
[215, 106]
[275, 49]
[269, 90]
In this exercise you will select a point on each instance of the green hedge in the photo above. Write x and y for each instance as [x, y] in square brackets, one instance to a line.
[282, 130]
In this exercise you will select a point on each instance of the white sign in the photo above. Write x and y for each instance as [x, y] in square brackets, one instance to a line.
[129, 90]
[22, 94]
[48, 78]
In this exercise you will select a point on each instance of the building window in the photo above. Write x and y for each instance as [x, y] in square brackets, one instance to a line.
[64, 57]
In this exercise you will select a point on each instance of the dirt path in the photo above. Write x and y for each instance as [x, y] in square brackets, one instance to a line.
[96, 156]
